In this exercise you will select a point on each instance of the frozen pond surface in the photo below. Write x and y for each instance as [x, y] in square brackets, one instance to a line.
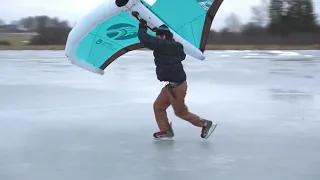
[58, 121]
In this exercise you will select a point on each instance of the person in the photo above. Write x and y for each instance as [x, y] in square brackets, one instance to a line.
[168, 57]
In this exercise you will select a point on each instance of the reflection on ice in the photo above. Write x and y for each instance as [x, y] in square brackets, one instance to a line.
[282, 94]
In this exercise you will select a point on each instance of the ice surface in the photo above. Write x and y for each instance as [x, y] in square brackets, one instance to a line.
[61, 122]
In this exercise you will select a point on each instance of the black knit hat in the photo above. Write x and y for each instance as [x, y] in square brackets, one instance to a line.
[164, 30]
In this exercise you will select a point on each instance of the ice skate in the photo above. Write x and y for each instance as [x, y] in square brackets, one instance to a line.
[208, 128]
[164, 135]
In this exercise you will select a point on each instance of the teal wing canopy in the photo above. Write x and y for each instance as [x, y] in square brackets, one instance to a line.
[191, 19]
[109, 40]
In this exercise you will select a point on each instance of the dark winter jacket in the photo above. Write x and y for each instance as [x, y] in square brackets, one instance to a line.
[168, 55]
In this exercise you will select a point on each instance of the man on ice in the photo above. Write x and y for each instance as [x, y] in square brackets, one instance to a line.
[168, 55]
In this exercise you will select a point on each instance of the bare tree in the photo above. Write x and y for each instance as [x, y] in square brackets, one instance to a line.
[233, 23]
[14, 22]
[28, 23]
[2, 22]
[260, 13]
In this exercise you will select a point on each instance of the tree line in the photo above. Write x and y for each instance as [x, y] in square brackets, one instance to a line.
[280, 17]
[272, 22]
[50, 31]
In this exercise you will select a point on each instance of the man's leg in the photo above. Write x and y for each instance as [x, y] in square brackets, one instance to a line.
[160, 106]
[181, 110]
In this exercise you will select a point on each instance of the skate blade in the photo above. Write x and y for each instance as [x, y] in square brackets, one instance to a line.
[213, 127]
[164, 139]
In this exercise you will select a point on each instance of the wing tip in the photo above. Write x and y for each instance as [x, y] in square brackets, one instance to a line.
[86, 66]
[210, 15]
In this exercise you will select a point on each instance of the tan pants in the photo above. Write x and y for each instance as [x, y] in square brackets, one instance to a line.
[165, 99]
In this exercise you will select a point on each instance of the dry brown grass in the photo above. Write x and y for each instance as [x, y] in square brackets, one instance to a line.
[263, 47]
[16, 39]
[209, 47]
[46, 47]
[17, 43]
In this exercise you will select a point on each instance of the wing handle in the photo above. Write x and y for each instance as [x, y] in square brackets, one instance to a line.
[136, 15]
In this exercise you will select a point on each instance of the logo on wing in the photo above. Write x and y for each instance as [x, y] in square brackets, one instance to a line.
[122, 31]
[106, 43]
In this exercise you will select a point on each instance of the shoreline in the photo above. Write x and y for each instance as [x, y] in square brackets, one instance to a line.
[209, 47]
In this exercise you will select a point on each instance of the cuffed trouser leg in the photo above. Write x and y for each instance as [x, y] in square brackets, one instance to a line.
[165, 99]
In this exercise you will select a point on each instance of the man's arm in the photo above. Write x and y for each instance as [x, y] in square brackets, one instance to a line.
[149, 41]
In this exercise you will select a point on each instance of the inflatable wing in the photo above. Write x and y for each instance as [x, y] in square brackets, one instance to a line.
[111, 30]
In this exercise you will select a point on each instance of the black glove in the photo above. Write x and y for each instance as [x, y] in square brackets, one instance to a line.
[143, 24]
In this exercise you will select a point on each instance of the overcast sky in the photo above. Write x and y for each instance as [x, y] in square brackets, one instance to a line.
[73, 10]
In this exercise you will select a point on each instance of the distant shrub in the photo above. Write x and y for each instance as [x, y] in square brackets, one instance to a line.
[5, 43]
[51, 36]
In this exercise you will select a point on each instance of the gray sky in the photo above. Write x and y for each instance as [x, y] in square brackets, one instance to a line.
[73, 10]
